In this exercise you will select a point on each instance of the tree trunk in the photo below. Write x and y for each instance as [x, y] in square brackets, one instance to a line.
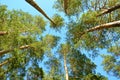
[103, 26]
[31, 2]
[107, 25]
[65, 67]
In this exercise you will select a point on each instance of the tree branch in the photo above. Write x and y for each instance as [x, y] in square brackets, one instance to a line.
[3, 63]
[32, 3]
[109, 10]
[103, 26]
[6, 51]
[3, 33]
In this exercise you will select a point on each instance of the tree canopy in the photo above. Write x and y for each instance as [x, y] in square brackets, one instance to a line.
[27, 53]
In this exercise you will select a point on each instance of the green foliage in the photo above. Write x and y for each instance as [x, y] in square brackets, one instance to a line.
[89, 18]
[35, 72]
[54, 66]
[74, 6]
[111, 64]
[94, 77]
[24, 30]
[50, 41]
[115, 50]
[40, 23]
[64, 48]
[76, 58]
[59, 22]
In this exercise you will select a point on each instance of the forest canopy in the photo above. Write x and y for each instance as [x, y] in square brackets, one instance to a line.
[26, 52]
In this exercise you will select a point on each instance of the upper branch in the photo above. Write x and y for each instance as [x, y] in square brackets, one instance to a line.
[109, 10]
[31, 2]
[103, 26]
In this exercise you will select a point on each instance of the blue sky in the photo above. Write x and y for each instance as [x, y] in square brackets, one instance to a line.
[46, 5]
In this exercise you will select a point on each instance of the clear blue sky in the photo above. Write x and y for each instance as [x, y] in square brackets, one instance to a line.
[46, 5]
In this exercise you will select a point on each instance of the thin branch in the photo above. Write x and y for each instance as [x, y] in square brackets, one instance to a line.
[3, 63]
[113, 8]
[103, 26]
[3, 33]
[7, 51]
[10, 59]
[32, 3]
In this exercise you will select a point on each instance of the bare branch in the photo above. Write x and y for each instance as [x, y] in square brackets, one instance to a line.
[32, 3]
[7, 51]
[113, 8]
[3, 33]
[103, 26]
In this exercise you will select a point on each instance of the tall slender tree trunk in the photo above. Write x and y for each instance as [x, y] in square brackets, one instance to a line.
[65, 67]
[31, 2]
